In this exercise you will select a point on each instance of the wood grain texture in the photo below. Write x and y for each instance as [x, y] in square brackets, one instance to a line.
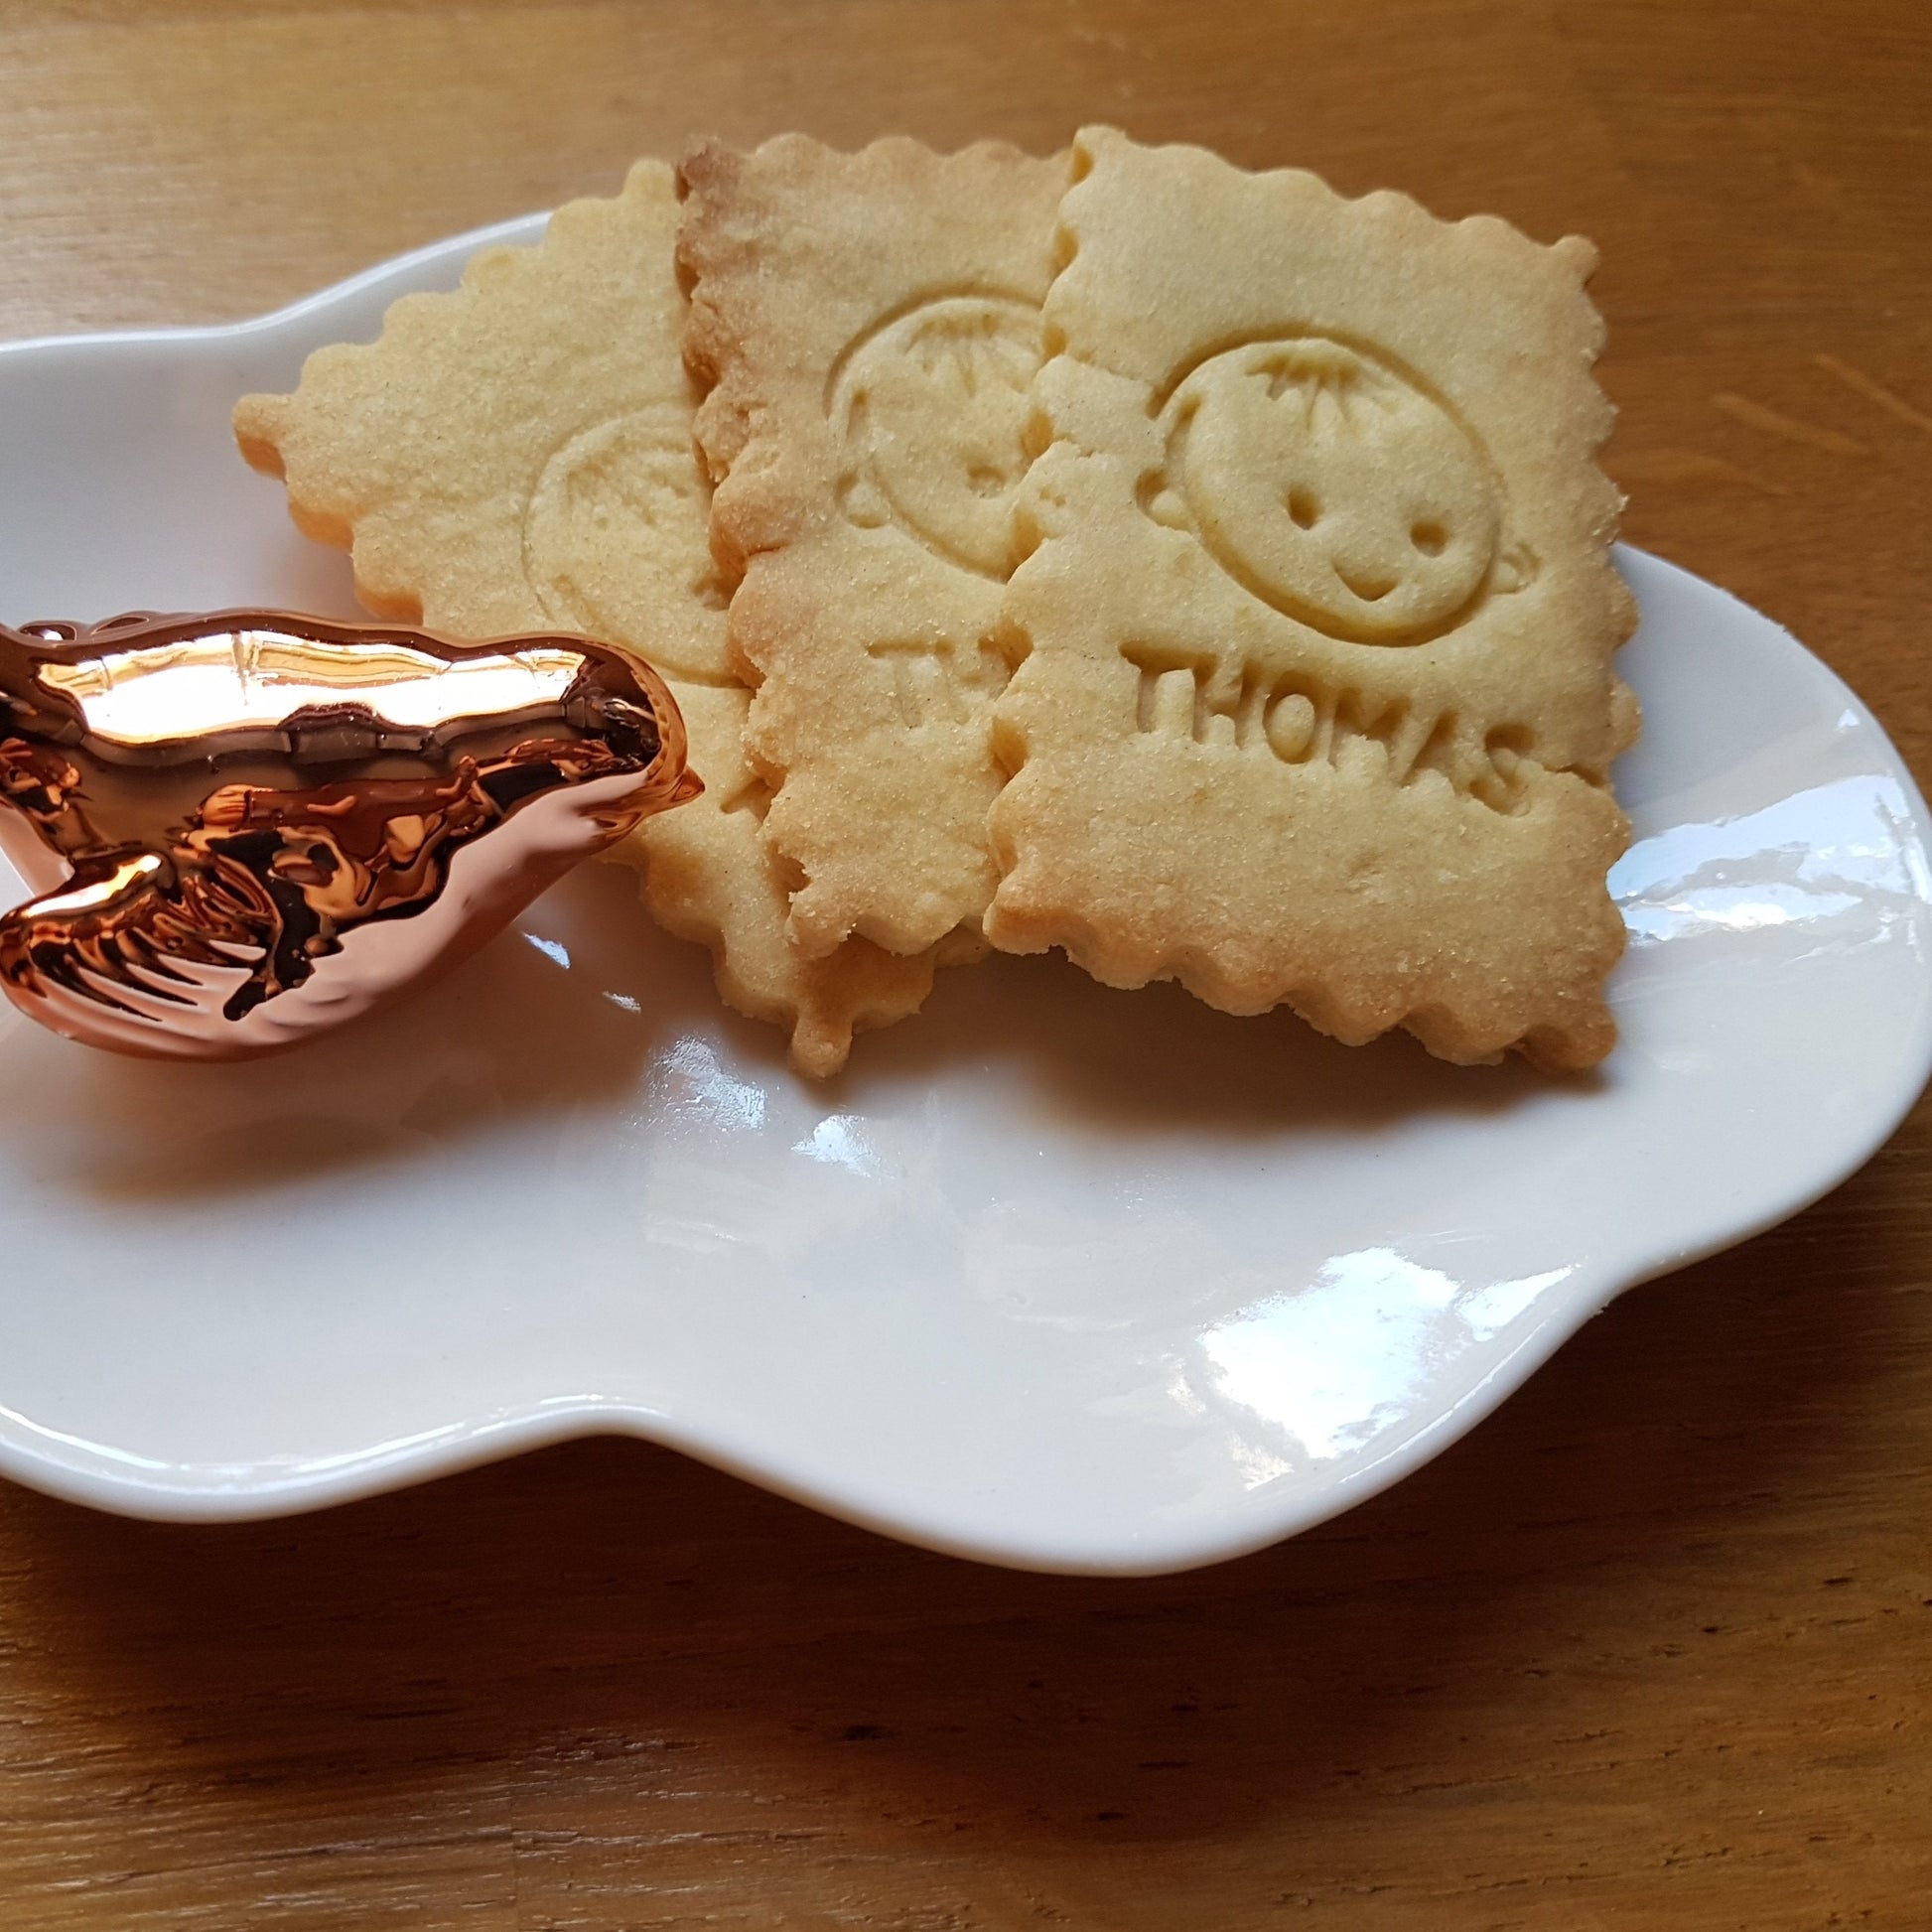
[1652, 1649]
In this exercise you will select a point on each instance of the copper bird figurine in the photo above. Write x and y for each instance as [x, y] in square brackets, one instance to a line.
[247, 827]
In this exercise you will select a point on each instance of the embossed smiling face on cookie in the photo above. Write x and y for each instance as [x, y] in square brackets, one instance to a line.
[617, 540]
[929, 409]
[1334, 487]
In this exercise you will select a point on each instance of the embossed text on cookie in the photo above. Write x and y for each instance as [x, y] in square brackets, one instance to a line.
[934, 683]
[1236, 705]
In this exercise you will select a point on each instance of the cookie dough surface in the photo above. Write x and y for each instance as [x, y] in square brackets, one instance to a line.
[870, 323]
[517, 454]
[1317, 701]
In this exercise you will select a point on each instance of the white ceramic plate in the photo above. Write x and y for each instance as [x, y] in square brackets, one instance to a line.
[1054, 1276]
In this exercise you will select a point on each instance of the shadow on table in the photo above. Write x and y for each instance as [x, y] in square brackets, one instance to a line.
[613, 1606]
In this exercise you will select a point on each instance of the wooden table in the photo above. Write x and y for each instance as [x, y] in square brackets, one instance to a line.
[1652, 1650]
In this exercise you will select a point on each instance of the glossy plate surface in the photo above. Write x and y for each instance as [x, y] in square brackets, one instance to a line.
[1054, 1276]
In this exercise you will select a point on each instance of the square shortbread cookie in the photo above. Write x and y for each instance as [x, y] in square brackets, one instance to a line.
[870, 324]
[1317, 701]
[517, 455]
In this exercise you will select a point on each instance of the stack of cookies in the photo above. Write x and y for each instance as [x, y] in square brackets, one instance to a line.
[1188, 569]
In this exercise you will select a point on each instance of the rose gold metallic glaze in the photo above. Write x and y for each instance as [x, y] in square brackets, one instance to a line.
[246, 827]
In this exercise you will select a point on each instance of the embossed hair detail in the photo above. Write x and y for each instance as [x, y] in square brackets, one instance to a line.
[1312, 699]
[930, 408]
[870, 326]
[246, 827]
[1337, 487]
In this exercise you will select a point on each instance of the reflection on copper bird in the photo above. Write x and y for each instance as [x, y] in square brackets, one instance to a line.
[246, 827]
